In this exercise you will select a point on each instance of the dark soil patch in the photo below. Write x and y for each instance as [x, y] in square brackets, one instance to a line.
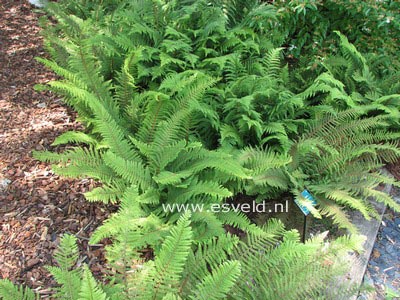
[395, 170]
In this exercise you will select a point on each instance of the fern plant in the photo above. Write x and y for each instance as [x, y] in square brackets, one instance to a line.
[363, 81]
[338, 160]
[232, 49]
[9, 291]
[65, 275]
[153, 162]
[190, 103]
[146, 122]
[75, 283]
[221, 268]
[293, 270]
[141, 142]
[308, 26]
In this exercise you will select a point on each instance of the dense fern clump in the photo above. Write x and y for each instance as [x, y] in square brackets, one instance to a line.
[184, 75]
[338, 159]
[222, 268]
[153, 161]
[191, 103]
[308, 26]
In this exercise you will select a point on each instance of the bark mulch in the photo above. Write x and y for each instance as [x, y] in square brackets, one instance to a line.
[36, 206]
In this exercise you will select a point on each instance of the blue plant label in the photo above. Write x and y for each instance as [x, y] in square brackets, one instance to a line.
[306, 195]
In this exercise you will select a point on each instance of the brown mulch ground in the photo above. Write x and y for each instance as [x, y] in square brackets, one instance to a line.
[37, 207]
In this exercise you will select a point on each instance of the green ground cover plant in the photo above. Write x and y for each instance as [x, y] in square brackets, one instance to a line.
[221, 268]
[224, 84]
[196, 102]
[309, 25]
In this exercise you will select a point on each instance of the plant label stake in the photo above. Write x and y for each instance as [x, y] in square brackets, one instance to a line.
[309, 198]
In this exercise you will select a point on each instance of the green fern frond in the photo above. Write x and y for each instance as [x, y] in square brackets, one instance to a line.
[69, 281]
[210, 188]
[206, 225]
[69, 278]
[234, 68]
[90, 290]
[67, 74]
[78, 162]
[217, 285]
[338, 215]
[114, 136]
[350, 51]
[166, 177]
[161, 157]
[131, 170]
[67, 253]
[220, 161]
[381, 197]
[74, 137]
[209, 255]
[259, 160]
[126, 88]
[272, 63]
[239, 220]
[169, 264]
[9, 291]
[108, 193]
[171, 296]
[345, 198]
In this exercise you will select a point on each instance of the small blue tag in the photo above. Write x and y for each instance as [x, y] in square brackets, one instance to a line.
[306, 194]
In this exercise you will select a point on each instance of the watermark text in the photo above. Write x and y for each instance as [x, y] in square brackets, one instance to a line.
[252, 207]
